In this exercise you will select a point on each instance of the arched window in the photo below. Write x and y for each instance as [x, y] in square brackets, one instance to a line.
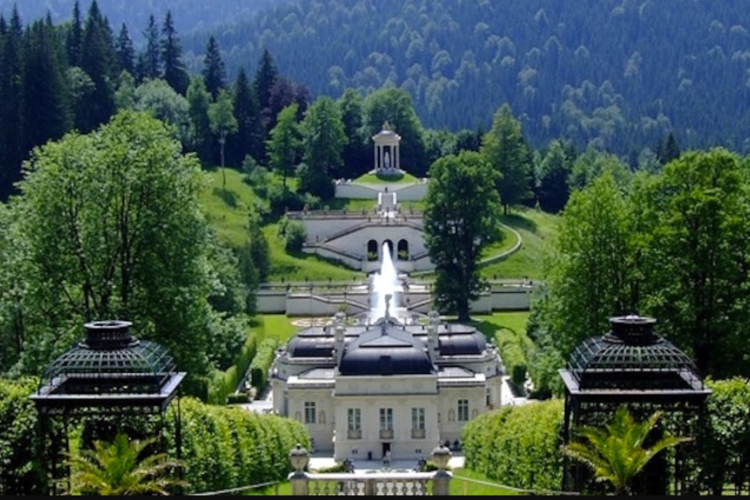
[321, 417]
[403, 250]
[372, 251]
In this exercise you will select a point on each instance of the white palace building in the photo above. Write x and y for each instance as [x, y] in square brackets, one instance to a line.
[365, 390]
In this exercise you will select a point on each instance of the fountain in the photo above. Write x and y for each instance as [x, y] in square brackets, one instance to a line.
[384, 283]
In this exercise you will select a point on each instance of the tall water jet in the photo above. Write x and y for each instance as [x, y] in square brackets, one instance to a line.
[384, 282]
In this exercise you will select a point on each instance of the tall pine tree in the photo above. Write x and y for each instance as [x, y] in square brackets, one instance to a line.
[99, 62]
[265, 80]
[250, 136]
[125, 51]
[46, 101]
[214, 74]
[11, 148]
[171, 57]
[75, 37]
[150, 61]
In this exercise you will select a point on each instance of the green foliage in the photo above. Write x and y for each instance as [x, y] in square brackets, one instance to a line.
[394, 105]
[518, 445]
[161, 100]
[725, 436]
[225, 447]
[223, 384]
[323, 142]
[618, 452]
[108, 225]
[504, 147]
[122, 468]
[20, 470]
[262, 362]
[294, 235]
[284, 143]
[461, 218]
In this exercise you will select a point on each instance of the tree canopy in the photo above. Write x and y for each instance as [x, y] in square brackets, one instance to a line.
[461, 218]
[107, 226]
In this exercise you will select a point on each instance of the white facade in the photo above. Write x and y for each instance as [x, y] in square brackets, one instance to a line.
[365, 390]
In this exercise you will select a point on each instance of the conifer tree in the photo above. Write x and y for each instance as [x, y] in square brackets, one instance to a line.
[151, 68]
[75, 37]
[45, 98]
[125, 51]
[11, 149]
[265, 80]
[171, 55]
[200, 125]
[214, 74]
[250, 136]
[98, 60]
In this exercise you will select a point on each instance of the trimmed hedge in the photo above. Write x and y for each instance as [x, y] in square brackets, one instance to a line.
[262, 362]
[517, 445]
[725, 436]
[225, 447]
[222, 384]
[20, 470]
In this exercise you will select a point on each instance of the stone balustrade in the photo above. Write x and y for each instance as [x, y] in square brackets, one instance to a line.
[394, 483]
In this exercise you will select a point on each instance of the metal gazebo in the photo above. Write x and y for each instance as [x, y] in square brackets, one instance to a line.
[109, 372]
[634, 366]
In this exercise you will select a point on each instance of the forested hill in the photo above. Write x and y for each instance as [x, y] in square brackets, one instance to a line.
[189, 15]
[620, 73]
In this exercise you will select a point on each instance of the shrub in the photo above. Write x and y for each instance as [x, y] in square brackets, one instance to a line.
[225, 447]
[294, 236]
[262, 363]
[222, 384]
[20, 469]
[238, 398]
[725, 435]
[517, 445]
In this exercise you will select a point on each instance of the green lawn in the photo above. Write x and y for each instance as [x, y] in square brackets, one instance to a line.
[404, 178]
[277, 326]
[300, 265]
[536, 229]
[227, 210]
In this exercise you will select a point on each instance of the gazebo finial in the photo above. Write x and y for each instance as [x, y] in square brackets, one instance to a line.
[386, 125]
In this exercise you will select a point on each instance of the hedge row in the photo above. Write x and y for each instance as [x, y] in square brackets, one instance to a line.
[262, 363]
[225, 447]
[517, 445]
[725, 437]
[222, 384]
[20, 472]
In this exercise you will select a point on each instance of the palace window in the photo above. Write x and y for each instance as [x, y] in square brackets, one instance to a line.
[310, 412]
[463, 410]
[354, 418]
[417, 418]
[386, 419]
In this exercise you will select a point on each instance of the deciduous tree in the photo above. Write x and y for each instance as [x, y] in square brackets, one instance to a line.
[108, 226]
[323, 141]
[505, 148]
[462, 217]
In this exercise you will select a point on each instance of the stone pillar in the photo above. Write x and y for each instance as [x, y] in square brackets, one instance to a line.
[339, 338]
[441, 481]
[433, 343]
[299, 478]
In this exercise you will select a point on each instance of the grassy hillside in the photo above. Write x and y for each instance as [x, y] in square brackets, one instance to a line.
[227, 211]
[536, 228]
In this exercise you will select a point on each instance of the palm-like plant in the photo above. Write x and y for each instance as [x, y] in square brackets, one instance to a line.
[117, 468]
[617, 453]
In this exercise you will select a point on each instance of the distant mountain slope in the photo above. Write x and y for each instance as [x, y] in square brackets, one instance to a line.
[616, 73]
[189, 15]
